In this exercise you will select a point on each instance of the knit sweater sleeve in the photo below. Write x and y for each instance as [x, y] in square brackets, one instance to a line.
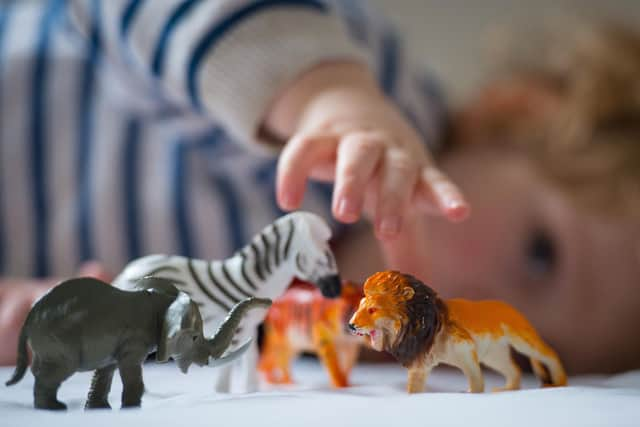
[224, 58]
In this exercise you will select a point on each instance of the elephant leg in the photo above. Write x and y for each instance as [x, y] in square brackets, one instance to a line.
[132, 384]
[48, 377]
[100, 387]
[250, 367]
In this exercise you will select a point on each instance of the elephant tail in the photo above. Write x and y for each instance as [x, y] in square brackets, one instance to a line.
[23, 358]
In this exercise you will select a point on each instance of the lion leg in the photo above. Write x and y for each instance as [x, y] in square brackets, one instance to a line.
[465, 357]
[499, 359]
[540, 371]
[417, 377]
[539, 353]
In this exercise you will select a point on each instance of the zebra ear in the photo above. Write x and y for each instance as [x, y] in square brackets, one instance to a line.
[172, 326]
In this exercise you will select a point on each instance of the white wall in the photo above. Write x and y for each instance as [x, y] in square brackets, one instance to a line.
[451, 36]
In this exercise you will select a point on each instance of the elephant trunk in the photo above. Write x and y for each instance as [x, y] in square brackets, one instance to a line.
[221, 341]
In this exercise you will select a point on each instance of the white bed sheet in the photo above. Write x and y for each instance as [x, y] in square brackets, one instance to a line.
[376, 399]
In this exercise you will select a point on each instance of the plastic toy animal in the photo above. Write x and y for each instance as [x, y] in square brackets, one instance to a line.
[303, 321]
[85, 324]
[405, 317]
[295, 245]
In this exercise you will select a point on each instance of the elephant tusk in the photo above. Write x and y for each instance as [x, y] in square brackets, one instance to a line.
[229, 356]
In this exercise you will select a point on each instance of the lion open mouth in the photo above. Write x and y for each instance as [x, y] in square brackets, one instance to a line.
[376, 337]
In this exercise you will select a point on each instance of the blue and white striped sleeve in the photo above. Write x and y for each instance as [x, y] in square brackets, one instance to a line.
[406, 81]
[225, 58]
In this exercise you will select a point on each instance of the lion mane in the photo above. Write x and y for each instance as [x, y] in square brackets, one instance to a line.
[424, 314]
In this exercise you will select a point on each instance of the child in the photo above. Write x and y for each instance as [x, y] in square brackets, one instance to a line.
[548, 156]
[131, 127]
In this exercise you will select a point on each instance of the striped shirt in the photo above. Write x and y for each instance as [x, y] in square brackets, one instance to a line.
[128, 127]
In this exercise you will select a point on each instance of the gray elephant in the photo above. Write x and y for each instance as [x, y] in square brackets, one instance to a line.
[85, 324]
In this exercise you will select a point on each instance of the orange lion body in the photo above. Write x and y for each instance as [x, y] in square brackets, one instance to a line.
[407, 318]
[304, 321]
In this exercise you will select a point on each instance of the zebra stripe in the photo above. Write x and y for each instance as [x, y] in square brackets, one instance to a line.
[216, 283]
[232, 282]
[277, 251]
[204, 290]
[298, 264]
[256, 261]
[287, 245]
[267, 249]
[245, 275]
[162, 269]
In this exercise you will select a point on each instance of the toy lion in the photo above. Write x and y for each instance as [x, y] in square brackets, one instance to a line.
[405, 317]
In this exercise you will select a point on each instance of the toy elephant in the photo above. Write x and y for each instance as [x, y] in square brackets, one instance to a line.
[85, 324]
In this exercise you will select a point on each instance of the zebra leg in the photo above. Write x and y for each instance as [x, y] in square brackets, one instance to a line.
[223, 382]
[250, 368]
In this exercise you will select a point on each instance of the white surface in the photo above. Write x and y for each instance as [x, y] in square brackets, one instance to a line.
[377, 398]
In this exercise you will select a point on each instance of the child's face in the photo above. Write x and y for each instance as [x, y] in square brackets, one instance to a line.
[575, 276]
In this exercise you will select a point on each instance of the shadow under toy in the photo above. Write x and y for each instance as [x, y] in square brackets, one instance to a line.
[85, 324]
[405, 317]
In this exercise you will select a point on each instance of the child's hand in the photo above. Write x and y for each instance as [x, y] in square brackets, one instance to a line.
[16, 298]
[349, 132]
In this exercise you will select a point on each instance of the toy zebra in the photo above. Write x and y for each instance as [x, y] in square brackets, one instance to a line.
[294, 246]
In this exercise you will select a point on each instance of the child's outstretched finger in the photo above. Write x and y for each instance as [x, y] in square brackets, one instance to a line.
[298, 157]
[436, 189]
[399, 175]
[358, 155]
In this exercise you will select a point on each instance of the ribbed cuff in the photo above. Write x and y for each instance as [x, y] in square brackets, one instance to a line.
[257, 60]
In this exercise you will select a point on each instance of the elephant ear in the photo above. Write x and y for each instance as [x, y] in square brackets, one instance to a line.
[172, 326]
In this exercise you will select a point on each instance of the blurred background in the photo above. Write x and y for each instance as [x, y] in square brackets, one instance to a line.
[453, 37]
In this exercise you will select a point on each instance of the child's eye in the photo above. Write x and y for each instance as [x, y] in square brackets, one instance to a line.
[372, 310]
[541, 253]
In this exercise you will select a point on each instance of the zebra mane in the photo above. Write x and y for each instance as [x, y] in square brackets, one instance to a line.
[276, 237]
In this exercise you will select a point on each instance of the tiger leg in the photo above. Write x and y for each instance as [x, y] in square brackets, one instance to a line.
[350, 350]
[324, 343]
[275, 360]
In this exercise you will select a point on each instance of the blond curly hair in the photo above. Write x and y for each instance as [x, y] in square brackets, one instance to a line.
[585, 133]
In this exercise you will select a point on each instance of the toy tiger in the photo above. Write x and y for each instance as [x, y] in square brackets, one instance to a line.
[405, 317]
[303, 321]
